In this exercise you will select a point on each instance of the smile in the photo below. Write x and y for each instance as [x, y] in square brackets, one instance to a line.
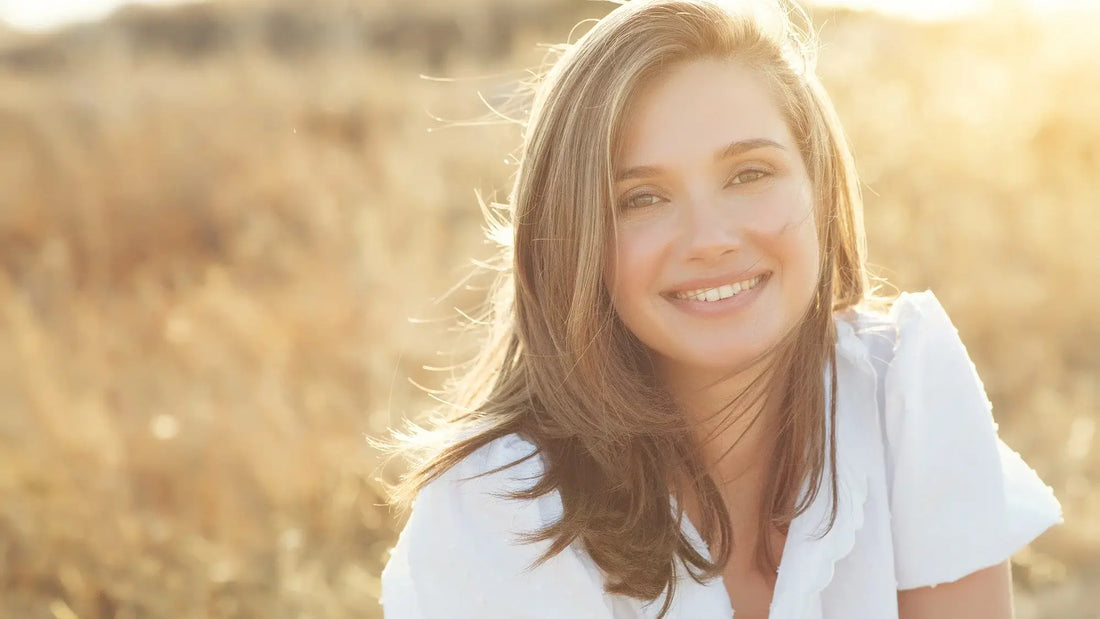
[721, 292]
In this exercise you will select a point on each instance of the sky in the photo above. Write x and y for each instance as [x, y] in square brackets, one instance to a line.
[48, 14]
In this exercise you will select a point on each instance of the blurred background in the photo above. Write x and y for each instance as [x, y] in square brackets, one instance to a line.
[217, 218]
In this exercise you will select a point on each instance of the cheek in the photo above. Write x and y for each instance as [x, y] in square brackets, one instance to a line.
[781, 210]
[800, 229]
[804, 255]
[617, 272]
[800, 242]
[788, 222]
[632, 257]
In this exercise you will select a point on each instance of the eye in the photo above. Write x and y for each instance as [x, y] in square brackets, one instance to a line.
[748, 176]
[640, 200]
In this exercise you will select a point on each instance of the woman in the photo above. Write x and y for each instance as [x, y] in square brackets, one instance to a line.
[690, 403]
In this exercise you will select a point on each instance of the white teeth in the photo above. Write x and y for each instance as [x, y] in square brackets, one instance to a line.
[711, 295]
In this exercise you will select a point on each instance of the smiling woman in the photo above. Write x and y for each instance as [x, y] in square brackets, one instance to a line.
[690, 401]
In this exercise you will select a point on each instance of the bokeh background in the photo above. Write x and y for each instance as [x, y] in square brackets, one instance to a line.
[217, 219]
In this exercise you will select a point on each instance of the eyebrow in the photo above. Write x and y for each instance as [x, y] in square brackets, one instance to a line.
[731, 150]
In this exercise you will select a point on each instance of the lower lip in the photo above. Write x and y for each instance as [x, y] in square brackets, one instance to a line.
[725, 306]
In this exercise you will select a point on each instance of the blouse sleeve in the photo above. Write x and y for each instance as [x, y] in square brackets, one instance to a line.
[458, 557]
[961, 500]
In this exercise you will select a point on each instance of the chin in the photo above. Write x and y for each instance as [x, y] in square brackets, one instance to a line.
[725, 359]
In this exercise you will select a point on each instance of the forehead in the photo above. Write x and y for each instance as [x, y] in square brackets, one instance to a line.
[696, 108]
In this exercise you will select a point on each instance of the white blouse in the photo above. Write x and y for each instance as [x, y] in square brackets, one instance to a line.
[927, 493]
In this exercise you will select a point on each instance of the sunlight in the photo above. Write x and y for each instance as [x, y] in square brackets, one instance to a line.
[939, 10]
[923, 10]
[49, 14]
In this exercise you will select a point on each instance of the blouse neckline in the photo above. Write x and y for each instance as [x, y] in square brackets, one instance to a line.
[810, 553]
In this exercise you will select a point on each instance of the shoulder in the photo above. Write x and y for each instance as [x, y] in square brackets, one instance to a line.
[910, 313]
[480, 486]
[478, 490]
[463, 551]
[500, 462]
[928, 389]
[960, 500]
[903, 341]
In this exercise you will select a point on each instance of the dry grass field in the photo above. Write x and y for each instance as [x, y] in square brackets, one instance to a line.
[216, 220]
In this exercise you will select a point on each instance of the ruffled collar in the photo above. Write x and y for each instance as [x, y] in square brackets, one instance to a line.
[810, 558]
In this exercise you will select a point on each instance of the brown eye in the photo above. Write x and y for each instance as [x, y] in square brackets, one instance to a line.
[640, 201]
[748, 176]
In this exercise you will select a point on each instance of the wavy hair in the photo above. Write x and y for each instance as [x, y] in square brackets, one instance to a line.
[559, 367]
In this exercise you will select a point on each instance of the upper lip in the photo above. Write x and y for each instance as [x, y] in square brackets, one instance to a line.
[706, 283]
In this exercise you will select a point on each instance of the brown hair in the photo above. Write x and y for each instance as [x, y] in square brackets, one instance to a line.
[559, 367]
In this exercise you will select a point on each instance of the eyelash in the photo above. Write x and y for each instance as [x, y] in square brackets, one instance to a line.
[625, 202]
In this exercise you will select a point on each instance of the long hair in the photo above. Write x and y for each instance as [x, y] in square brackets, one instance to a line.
[559, 367]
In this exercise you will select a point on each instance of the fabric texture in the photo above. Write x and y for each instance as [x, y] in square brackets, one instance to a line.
[926, 494]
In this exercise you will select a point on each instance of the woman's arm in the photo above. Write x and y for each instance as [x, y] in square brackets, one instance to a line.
[985, 594]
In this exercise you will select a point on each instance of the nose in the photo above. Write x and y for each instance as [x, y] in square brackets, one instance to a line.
[709, 229]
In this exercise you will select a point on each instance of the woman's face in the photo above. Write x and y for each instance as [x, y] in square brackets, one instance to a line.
[716, 251]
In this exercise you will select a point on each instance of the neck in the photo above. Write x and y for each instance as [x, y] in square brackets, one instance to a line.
[732, 418]
[735, 442]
